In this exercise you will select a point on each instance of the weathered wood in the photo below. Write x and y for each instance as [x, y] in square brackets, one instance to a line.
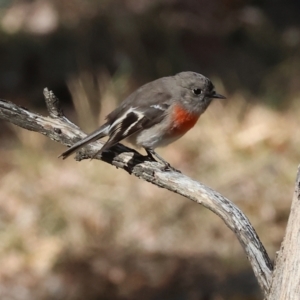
[58, 128]
[286, 276]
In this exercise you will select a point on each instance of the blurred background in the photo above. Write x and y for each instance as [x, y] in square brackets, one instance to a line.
[85, 230]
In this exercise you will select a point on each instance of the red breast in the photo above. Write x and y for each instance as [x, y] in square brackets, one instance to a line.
[182, 120]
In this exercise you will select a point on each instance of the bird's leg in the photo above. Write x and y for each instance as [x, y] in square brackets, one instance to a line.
[151, 154]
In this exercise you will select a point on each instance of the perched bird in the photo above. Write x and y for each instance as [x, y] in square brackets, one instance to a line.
[156, 114]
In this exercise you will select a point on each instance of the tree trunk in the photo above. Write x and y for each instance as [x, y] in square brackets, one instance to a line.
[286, 276]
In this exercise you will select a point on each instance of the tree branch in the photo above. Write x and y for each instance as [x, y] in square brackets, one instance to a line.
[286, 276]
[58, 128]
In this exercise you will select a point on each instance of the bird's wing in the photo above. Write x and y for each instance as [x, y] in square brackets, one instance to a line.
[143, 109]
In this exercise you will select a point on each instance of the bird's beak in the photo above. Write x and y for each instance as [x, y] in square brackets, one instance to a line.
[216, 96]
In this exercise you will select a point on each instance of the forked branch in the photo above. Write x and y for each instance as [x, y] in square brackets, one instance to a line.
[58, 128]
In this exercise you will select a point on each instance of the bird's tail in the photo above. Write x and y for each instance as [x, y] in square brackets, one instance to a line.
[97, 134]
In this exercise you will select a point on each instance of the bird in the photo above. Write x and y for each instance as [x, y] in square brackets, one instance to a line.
[155, 115]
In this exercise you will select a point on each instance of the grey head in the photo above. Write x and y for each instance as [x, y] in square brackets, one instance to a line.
[196, 89]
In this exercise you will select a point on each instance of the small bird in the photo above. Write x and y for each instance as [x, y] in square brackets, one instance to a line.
[156, 114]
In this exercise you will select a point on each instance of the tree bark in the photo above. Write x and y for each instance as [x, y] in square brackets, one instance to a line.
[286, 276]
[58, 128]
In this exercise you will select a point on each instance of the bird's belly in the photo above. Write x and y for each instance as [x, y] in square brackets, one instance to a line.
[151, 139]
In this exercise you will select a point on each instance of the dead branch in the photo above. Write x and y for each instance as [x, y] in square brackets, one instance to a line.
[58, 128]
[286, 276]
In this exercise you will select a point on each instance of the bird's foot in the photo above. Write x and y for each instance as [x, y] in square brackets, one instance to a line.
[167, 167]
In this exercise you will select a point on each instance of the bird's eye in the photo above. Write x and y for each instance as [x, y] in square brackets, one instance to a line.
[197, 91]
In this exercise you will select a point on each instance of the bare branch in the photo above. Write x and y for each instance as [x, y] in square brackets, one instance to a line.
[286, 276]
[60, 129]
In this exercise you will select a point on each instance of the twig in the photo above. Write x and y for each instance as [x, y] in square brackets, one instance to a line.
[58, 128]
